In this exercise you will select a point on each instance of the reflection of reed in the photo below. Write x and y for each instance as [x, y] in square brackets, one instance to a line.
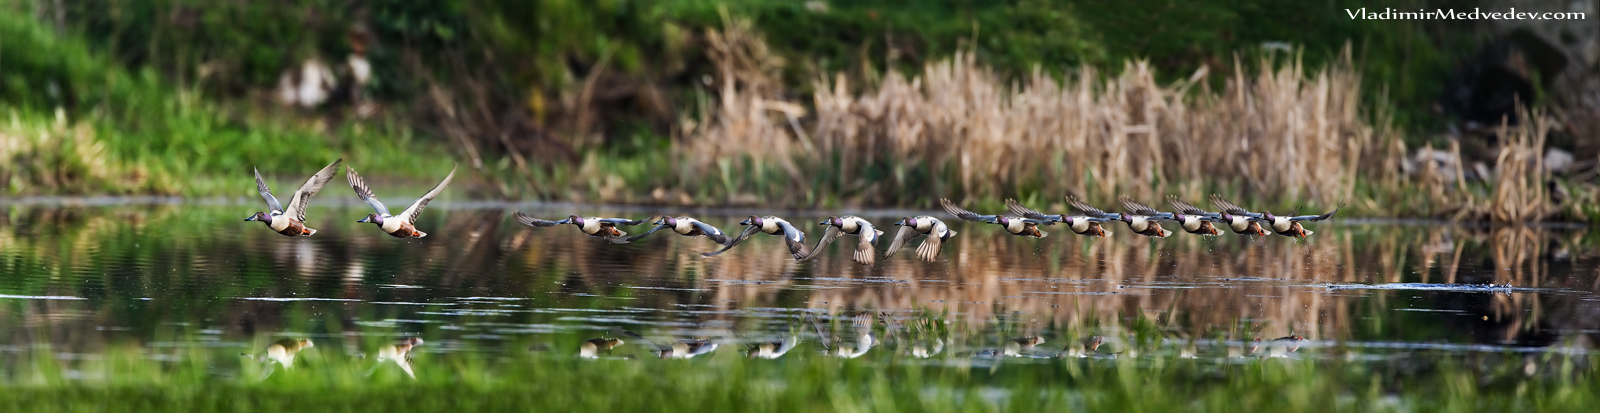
[1237, 287]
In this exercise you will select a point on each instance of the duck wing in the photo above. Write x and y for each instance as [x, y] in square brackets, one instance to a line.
[314, 184]
[1314, 217]
[529, 220]
[1230, 208]
[1187, 208]
[1016, 208]
[866, 250]
[929, 250]
[711, 232]
[742, 236]
[1136, 208]
[625, 240]
[828, 236]
[631, 222]
[366, 193]
[1085, 209]
[906, 233]
[411, 212]
[796, 240]
[962, 213]
[272, 201]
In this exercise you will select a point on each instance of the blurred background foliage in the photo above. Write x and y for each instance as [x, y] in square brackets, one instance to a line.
[572, 99]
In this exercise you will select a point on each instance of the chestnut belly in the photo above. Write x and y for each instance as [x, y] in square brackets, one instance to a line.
[295, 229]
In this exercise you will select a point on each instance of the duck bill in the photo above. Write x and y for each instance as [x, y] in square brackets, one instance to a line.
[364, 220]
[251, 218]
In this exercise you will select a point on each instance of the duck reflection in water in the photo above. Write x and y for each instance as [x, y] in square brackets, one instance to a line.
[772, 349]
[281, 352]
[861, 334]
[682, 349]
[591, 348]
[399, 353]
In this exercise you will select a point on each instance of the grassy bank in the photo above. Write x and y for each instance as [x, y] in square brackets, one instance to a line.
[325, 380]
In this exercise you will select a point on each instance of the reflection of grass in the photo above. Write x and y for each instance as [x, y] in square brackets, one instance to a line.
[327, 379]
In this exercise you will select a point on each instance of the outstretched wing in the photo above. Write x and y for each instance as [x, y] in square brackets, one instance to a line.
[272, 201]
[1136, 208]
[1230, 208]
[711, 232]
[962, 213]
[742, 236]
[529, 220]
[410, 214]
[1017, 209]
[314, 184]
[1085, 209]
[866, 250]
[1314, 217]
[796, 240]
[929, 250]
[625, 240]
[1188, 209]
[631, 222]
[365, 193]
[828, 236]
[906, 233]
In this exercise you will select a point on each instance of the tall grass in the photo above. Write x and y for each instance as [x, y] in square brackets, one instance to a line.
[958, 128]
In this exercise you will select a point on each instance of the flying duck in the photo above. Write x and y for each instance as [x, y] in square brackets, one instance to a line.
[1289, 226]
[853, 225]
[1142, 219]
[912, 227]
[591, 226]
[291, 221]
[399, 353]
[1194, 220]
[1081, 225]
[398, 226]
[1084, 209]
[770, 225]
[1239, 220]
[1019, 226]
[685, 226]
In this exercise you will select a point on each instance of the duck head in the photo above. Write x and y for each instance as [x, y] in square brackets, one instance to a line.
[373, 218]
[668, 221]
[1269, 216]
[753, 220]
[835, 221]
[1065, 219]
[1124, 217]
[1227, 217]
[908, 221]
[260, 216]
[1002, 220]
[1180, 216]
[575, 220]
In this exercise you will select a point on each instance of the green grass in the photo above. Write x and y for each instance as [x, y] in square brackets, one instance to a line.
[158, 138]
[126, 379]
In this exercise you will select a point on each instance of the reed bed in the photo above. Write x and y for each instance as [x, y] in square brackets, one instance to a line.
[958, 128]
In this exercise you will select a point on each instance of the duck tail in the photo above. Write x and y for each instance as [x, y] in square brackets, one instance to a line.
[419, 234]
[307, 232]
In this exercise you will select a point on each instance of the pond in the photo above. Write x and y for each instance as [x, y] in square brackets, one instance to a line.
[79, 277]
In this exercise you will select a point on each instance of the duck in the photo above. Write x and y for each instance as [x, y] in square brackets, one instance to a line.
[853, 225]
[1194, 220]
[1081, 225]
[592, 226]
[590, 349]
[917, 226]
[399, 353]
[774, 349]
[1239, 220]
[291, 221]
[398, 226]
[770, 225]
[283, 351]
[1143, 219]
[685, 226]
[1289, 226]
[1017, 346]
[682, 349]
[1019, 226]
[864, 340]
